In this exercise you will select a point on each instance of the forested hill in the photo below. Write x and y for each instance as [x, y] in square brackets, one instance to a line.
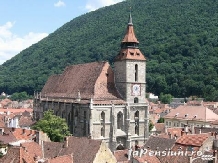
[178, 37]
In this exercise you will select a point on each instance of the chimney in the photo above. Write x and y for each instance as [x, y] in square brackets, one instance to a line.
[129, 153]
[193, 129]
[186, 129]
[24, 130]
[199, 131]
[1, 131]
[170, 135]
[66, 142]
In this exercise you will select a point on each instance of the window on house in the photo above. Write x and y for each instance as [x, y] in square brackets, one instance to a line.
[120, 120]
[136, 72]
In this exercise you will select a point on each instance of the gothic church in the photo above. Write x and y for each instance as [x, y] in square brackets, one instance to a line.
[100, 102]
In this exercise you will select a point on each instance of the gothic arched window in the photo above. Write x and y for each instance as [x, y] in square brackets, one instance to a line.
[102, 117]
[102, 123]
[136, 72]
[120, 120]
[102, 132]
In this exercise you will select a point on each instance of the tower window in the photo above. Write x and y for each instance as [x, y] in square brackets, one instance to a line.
[136, 122]
[119, 120]
[102, 132]
[136, 100]
[136, 72]
[103, 124]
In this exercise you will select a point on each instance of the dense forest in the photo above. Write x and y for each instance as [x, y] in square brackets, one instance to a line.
[178, 37]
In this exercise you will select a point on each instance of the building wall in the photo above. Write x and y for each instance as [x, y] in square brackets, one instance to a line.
[125, 78]
[180, 123]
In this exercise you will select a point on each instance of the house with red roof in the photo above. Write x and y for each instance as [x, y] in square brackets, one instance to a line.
[190, 115]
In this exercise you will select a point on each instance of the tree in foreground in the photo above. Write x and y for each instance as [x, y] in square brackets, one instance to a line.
[56, 127]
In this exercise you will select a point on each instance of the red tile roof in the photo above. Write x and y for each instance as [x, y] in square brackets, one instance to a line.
[91, 80]
[61, 159]
[192, 139]
[121, 155]
[198, 113]
[33, 149]
[82, 148]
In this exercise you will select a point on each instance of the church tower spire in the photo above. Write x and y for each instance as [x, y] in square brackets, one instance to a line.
[130, 68]
[129, 44]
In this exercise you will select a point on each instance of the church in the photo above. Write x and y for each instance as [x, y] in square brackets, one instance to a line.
[101, 102]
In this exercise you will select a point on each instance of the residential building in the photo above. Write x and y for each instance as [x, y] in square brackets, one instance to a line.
[190, 115]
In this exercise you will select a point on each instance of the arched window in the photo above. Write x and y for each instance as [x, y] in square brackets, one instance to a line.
[136, 72]
[102, 123]
[136, 117]
[120, 120]
[136, 100]
[102, 117]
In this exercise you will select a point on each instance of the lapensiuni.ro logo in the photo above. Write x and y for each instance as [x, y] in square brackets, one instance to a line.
[165, 153]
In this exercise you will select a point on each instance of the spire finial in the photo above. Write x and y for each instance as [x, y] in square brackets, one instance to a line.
[130, 17]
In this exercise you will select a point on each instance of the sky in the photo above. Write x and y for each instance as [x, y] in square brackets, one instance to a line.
[25, 22]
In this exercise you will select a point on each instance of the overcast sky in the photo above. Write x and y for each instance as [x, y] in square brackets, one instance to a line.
[25, 22]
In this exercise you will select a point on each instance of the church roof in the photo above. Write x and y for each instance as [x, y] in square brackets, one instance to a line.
[130, 35]
[91, 80]
[129, 45]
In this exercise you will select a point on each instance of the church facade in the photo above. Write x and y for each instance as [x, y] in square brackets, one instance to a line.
[100, 102]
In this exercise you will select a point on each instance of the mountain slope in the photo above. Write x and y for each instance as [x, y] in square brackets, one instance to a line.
[178, 38]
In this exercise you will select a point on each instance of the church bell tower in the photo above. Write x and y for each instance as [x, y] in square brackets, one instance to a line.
[130, 68]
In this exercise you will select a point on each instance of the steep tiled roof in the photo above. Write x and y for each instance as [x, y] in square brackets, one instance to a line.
[159, 143]
[33, 149]
[148, 159]
[121, 155]
[23, 134]
[135, 54]
[15, 110]
[82, 148]
[91, 80]
[61, 159]
[26, 121]
[160, 127]
[16, 155]
[198, 113]
[192, 139]
[7, 136]
[52, 149]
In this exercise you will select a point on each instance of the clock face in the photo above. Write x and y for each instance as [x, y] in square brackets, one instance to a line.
[136, 90]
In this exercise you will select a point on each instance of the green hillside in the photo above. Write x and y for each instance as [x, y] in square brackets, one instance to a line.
[178, 37]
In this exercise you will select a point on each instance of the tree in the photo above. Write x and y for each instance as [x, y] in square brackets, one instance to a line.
[161, 120]
[19, 96]
[151, 125]
[166, 98]
[56, 127]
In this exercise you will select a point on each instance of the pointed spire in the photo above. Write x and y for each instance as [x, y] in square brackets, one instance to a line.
[130, 18]
[129, 44]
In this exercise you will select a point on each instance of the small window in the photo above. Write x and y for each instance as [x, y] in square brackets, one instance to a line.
[138, 53]
[136, 100]
[131, 53]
